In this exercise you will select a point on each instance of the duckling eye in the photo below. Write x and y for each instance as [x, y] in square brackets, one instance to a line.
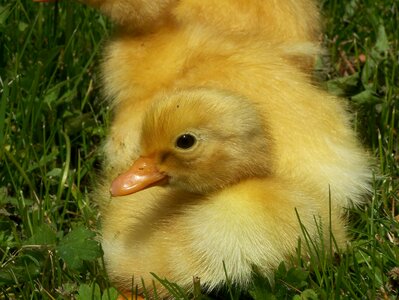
[185, 141]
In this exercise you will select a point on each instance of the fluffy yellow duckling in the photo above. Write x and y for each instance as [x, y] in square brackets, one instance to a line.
[216, 183]
[218, 137]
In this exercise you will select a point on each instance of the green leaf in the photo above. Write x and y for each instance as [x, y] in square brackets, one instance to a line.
[382, 44]
[56, 172]
[110, 294]
[351, 8]
[261, 289]
[87, 292]
[366, 97]
[22, 26]
[4, 13]
[375, 57]
[344, 85]
[289, 282]
[297, 277]
[77, 246]
[308, 294]
[92, 291]
[52, 95]
[20, 271]
[43, 235]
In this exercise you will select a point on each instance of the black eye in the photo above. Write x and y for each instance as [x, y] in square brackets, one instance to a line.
[185, 141]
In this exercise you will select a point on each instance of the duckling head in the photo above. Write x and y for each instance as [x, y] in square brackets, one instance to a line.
[199, 141]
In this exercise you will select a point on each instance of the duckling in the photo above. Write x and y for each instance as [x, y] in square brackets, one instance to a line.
[219, 137]
[211, 186]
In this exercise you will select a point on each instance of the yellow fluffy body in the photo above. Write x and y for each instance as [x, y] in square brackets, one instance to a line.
[255, 50]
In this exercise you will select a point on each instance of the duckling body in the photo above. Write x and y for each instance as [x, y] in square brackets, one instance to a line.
[235, 75]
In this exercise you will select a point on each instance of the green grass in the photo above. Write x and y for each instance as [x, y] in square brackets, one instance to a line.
[53, 119]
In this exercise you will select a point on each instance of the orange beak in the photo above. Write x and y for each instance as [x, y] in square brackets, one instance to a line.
[141, 175]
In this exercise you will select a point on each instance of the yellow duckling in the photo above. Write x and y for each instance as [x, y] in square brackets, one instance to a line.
[211, 187]
[218, 138]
